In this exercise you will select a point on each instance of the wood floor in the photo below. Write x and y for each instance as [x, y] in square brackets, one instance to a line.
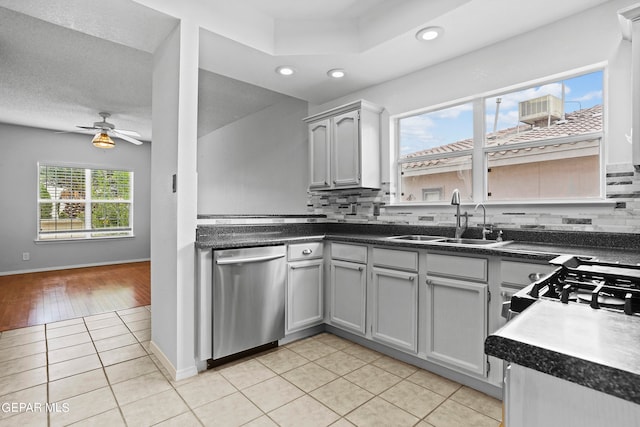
[37, 298]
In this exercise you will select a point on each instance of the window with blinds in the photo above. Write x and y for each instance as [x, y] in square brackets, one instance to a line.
[83, 203]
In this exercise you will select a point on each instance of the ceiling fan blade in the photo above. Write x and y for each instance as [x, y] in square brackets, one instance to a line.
[131, 133]
[117, 134]
[90, 131]
[87, 127]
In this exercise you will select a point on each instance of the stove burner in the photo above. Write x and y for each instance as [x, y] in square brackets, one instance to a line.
[599, 284]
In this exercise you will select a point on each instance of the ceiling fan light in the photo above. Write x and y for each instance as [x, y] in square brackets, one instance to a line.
[102, 140]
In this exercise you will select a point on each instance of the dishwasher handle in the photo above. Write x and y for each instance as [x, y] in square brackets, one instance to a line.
[232, 260]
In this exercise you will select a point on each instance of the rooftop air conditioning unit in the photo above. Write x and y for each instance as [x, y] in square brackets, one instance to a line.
[534, 111]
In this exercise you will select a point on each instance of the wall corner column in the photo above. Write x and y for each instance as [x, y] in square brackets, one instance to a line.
[174, 213]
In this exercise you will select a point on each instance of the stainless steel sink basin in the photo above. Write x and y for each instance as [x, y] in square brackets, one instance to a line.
[476, 242]
[419, 238]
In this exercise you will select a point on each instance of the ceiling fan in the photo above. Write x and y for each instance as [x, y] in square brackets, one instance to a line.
[106, 130]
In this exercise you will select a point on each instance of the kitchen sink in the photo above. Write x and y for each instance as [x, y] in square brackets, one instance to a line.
[419, 238]
[477, 242]
[440, 239]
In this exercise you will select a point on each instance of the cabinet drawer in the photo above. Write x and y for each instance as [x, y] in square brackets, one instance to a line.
[517, 273]
[457, 267]
[354, 253]
[394, 259]
[301, 251]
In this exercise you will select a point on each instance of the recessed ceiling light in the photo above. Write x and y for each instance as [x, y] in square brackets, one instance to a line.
[429, 33]
[336, 73]
[285, 70]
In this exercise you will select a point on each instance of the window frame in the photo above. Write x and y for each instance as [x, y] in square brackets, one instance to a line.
[88, 232]
[398, 161]
[479, 152]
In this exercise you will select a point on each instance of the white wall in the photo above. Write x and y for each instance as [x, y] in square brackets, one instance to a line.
[163, 215]
[256, 165]
[173, 214]
[589, 38]
[21, 148]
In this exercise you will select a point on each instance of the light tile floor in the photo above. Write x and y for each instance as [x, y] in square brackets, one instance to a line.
[98, 370]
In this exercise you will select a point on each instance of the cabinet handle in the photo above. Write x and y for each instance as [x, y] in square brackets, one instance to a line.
[307, 252]
[429, 282]
[360, 268]
[411, 279]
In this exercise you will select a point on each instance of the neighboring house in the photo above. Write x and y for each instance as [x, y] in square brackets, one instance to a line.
[541, 172]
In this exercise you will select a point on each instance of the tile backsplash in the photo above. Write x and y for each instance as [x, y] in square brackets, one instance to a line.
[370, 205]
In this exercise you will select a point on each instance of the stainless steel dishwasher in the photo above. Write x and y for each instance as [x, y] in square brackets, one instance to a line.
[248, 298]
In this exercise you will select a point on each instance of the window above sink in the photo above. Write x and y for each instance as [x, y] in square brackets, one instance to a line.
[539, 143]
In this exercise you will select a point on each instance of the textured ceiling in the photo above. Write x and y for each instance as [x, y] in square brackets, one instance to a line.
[63, 61]
[55, 78]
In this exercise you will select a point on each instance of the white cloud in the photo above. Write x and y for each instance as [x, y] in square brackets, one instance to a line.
[590, 96]
[452, 112]
[415, 134]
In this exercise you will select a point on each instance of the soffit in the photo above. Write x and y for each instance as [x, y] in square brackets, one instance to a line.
[65, 60]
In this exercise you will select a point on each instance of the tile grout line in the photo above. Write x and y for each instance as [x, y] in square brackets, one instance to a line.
[446, 398]
[46, 359]
[173, 387]
[104, 372]
[339, 376]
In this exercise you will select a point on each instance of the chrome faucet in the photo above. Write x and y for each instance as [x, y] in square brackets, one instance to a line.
[455, 200]
[485, 230]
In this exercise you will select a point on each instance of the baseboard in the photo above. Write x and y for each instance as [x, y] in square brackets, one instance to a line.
[67, 267]
[295, 336]
[177, 375]
[163, 359]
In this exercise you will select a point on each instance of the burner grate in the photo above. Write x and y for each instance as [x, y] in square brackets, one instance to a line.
[600, 285]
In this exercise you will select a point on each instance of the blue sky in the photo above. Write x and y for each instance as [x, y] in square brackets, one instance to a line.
[456, 123]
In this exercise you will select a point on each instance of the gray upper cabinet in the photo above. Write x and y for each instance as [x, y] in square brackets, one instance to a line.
[344, 147]
[319, 160]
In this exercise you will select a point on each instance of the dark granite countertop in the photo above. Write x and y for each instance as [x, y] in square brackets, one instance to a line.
[598, 349]
[234, 236]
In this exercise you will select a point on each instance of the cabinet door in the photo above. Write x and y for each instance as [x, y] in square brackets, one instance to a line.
[346, 149]
[395, 308]
[457, 324]
[304, 294]
[348, 295]
[319, 154]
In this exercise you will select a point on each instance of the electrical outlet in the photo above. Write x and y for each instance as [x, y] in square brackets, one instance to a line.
[26, 256]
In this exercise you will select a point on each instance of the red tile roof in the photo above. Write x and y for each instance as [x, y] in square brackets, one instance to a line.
[578, 122]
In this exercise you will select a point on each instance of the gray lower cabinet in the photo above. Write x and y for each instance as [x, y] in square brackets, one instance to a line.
[304, 294]
[348, 295]
[395, 308]
[305, 286]
[457, 314]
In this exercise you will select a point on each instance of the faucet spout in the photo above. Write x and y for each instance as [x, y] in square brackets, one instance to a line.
[455, 200]
[485, 230]
[455, 197]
